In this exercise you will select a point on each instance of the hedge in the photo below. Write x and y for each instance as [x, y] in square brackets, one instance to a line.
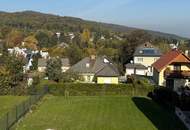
[81, 89]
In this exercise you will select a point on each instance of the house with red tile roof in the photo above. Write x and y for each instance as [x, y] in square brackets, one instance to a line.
[172, 70]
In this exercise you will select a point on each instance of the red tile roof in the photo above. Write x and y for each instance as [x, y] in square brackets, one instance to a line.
[167, 59]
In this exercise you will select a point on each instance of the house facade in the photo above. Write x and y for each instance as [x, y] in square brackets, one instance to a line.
[172, 70]
[144, 56]
[97, 70]
[137, 69]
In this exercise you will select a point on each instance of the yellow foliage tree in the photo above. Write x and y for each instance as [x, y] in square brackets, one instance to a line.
[31, 42]
[85, 35]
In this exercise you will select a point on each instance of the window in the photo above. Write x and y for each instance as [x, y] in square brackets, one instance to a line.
[140, 59]
[177, 67]
[88, 78]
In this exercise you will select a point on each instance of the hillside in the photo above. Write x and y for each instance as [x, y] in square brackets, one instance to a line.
[30, 20]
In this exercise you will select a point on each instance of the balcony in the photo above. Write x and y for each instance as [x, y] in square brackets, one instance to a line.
[177, 74]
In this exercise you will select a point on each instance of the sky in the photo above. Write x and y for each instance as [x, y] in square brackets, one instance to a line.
[170, 16]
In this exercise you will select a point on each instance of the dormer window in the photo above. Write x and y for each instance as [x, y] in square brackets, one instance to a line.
[87, 65]
[105, 60]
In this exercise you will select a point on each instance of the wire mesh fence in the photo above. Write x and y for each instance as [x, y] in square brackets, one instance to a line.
[11, 117]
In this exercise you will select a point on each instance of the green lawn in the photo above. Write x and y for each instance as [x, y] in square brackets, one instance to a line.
[8, 102]
[99, 113]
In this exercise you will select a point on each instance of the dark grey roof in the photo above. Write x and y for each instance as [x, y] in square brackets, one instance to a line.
[108, 70]
[42, 62]
[137, 66]
[65, 62]
[147, 50]
[97, 65]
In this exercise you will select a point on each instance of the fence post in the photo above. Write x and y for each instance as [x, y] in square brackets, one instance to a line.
[30, 102]
[7, 121]
[16, 113]
[23, 105]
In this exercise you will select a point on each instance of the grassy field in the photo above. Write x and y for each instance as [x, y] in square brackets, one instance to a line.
[99, 113]
[8, 102]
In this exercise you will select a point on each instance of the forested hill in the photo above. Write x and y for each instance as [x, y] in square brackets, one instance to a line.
[32, 21]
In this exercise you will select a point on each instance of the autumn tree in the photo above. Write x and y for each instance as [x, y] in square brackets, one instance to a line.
[11, 75]
[14, 38]
[31, 42]
[85, 36]
[5, 79]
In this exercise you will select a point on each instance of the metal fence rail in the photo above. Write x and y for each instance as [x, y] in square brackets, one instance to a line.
[11, 117]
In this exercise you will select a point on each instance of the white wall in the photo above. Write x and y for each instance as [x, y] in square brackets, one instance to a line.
[138, 71]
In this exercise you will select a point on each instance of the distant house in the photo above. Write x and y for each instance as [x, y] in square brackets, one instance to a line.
[42, 63]
[97, 69]
[172, 70]
[44, 54]
[18, 51]
[144, 56]
[65, 64]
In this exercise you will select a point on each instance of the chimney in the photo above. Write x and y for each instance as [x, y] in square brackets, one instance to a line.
[186, 52]
[92, 57]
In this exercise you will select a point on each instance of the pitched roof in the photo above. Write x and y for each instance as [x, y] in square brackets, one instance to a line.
[137, 66]
[43, 62]
[147, 49]
[168, 58]
[65, 62]
[108, 70]
[99, 64]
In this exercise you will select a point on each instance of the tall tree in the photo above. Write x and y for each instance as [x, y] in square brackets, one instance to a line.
[85, 37]
[74, 53]
[53, 70]
[43, 39]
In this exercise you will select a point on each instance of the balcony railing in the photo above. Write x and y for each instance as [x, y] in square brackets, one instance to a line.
[177, 74]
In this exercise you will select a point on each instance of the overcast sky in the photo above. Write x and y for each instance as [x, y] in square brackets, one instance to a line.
[172, 16]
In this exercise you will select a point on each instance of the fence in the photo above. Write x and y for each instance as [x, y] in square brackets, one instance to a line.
[11, 117]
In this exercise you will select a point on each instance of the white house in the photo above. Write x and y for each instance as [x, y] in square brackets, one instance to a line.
[18, 51]
[44, 54]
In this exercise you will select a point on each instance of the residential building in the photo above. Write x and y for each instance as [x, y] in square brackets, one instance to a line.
[42, 63]
[18, 51]
[137, 69]
[97, 69]
[65, 64]
[172, 70]
[146, 55]
[44, 54]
